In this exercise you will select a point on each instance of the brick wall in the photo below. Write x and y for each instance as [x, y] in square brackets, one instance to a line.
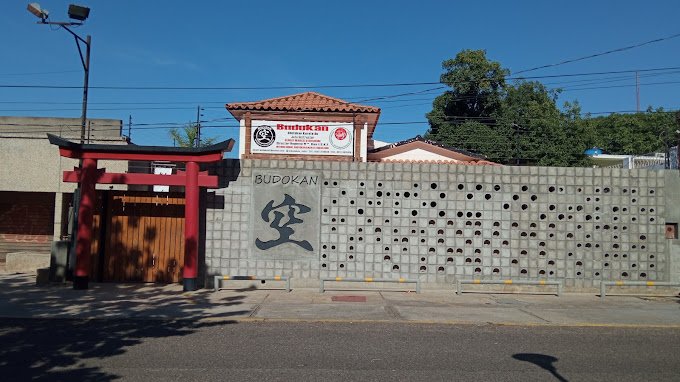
[26, 221]
[443, 222]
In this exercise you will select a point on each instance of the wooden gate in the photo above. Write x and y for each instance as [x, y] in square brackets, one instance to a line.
[143, 237]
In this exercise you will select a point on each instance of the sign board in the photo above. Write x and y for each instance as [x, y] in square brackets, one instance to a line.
[306, 138]
[285, 211]
[162, 171]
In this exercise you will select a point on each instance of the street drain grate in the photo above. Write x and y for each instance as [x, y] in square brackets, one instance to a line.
[349, 298]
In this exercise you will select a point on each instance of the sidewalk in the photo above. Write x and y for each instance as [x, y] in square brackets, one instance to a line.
[20, 298]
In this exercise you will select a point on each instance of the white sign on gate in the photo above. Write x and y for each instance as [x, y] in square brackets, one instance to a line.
[310, 138]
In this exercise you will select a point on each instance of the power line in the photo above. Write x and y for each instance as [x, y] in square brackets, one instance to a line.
[341, 86]
[39, 73]
[601, 53]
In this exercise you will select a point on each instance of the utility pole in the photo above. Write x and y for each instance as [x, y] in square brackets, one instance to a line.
[637, 91]
[130, 128]
[677, 134]
[198, 126]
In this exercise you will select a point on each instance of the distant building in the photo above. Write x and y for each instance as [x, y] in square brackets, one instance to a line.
[34, 202]
[650, 162]
[313, 126]
[673, 157]
[421, 150]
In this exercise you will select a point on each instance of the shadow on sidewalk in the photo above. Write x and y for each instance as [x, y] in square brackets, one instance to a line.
[38, 347]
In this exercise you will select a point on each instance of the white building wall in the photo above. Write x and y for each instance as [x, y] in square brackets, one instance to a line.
[420, 154]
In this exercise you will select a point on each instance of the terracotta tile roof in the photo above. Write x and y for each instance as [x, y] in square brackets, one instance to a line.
[309, 101]
[418, 138]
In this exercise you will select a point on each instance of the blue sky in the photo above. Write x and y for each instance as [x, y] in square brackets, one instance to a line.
[307, 43]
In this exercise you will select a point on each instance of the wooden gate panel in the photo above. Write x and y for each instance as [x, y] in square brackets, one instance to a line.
[142, 237]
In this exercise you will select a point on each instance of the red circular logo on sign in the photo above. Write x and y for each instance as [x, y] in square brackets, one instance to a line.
[340, 134]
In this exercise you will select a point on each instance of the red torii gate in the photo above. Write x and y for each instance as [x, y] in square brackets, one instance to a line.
[88, 176]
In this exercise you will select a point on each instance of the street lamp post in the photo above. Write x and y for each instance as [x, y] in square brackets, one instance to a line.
[79, 13]
[83, 201]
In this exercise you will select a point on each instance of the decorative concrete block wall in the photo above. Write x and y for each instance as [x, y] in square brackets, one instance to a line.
[436, 222]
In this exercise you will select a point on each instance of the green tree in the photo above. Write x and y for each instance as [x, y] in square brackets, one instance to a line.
[543, 134]
[521, 123]
[186, 136]
[477, 87]
[516, 123]
[636, 134]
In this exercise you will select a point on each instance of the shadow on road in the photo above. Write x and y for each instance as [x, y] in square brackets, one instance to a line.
[36, 346]
[541, 360]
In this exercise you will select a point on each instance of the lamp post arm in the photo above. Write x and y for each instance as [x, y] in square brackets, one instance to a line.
[86, 41]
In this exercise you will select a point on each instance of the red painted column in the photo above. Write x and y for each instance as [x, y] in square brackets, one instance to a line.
[190, 273]
[88, 180]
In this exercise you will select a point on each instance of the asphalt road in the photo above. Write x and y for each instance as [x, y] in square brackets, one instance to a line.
[154, 350]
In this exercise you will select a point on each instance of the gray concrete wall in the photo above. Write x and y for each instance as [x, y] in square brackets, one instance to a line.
[439, 222]
[672, 215]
